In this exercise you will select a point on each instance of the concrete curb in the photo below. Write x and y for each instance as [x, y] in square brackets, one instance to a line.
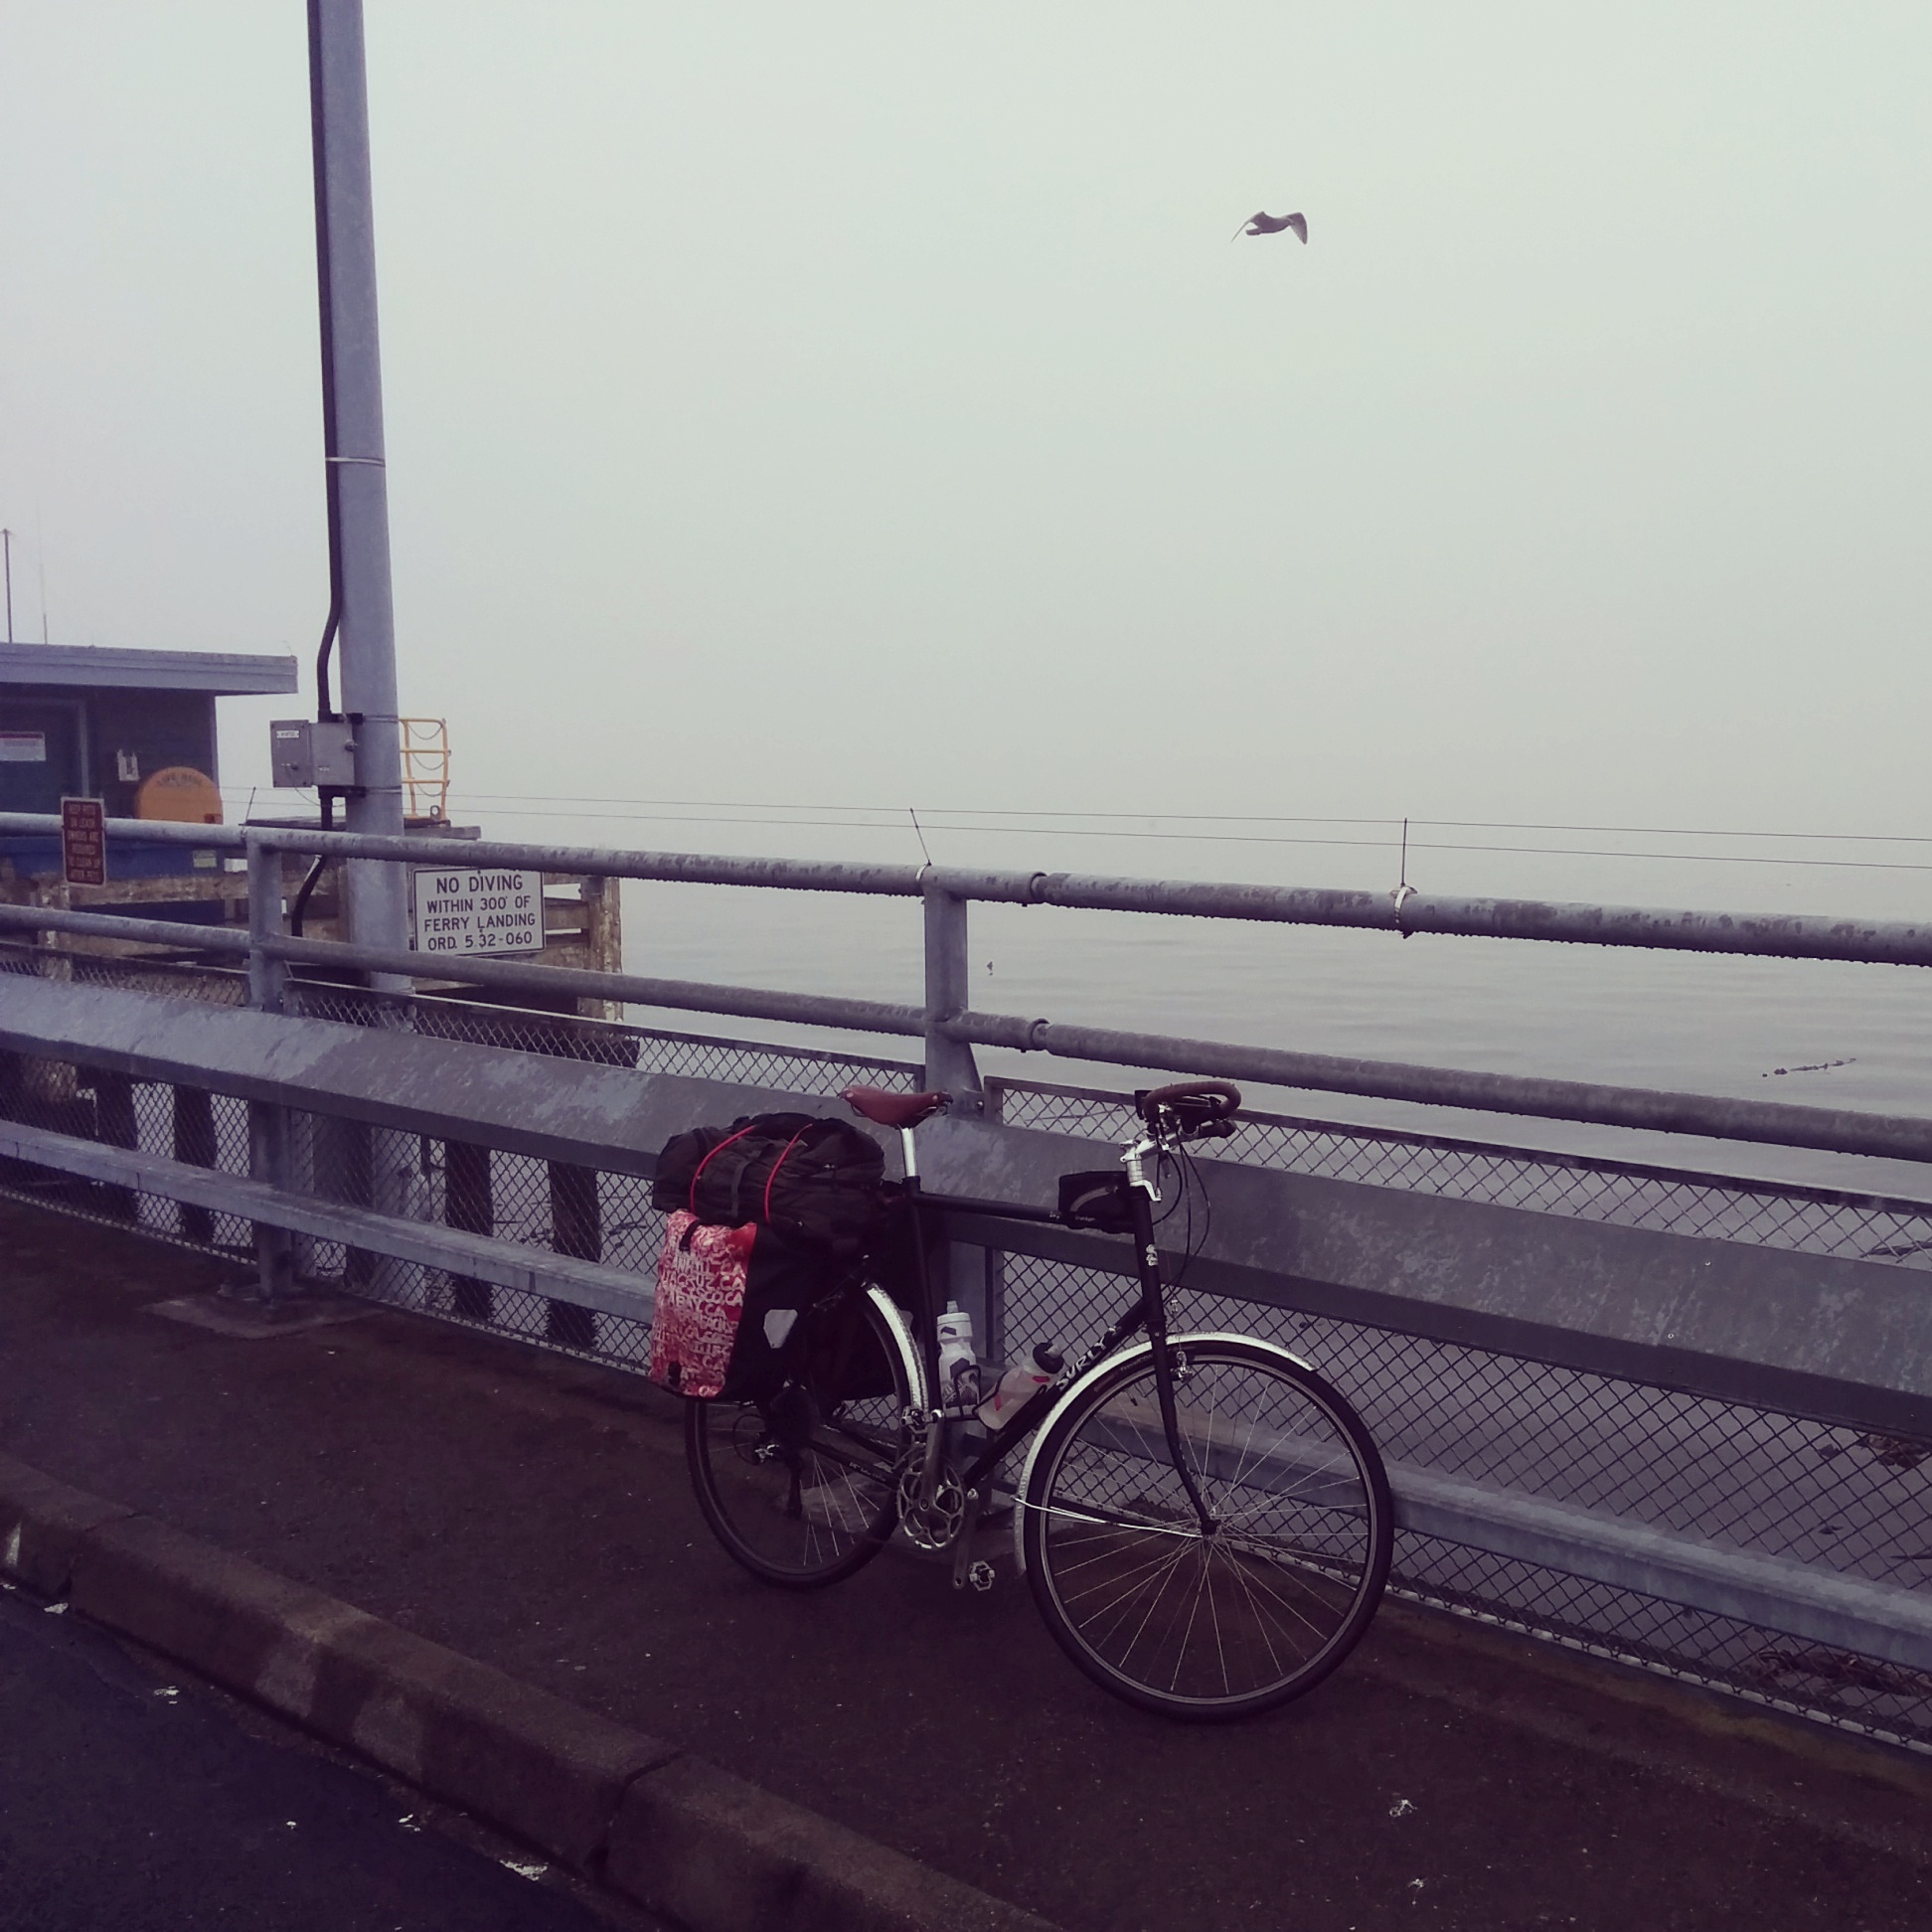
[679, 1835]
[43, 1523]
[708, 1850]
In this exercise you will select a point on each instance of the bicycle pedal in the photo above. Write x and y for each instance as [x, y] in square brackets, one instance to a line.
[980, 1576]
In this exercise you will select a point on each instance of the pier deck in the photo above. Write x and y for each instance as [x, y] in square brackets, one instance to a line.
[533, 1512]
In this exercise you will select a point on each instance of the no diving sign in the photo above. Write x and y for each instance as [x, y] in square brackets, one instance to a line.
[476, 910]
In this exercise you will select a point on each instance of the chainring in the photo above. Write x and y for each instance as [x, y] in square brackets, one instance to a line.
[932, 1521]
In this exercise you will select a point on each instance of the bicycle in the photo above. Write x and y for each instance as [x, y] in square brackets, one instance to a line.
[1204, 1522]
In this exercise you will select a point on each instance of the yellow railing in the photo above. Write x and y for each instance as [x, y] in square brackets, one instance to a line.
[425, 766]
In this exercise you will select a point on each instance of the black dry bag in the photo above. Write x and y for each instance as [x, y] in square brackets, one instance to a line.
[814, 1182]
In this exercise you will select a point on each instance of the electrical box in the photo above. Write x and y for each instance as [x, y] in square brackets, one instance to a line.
[308, 752]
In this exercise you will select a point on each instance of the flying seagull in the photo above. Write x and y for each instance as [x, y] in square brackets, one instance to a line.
[1266, 224]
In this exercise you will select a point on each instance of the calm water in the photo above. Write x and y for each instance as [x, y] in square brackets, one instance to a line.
[1844, 1035]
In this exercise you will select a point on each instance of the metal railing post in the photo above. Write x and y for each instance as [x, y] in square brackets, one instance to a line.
[469, 1202]
[576, 1229]
[268, 1123]
[119, 1125]
[268, 1160]
[195, 1145]
[268, 975]
[949, 1063]
[959, 1272]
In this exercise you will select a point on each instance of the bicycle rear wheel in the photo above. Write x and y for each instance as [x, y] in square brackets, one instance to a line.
[801, 1487]
[1255, 1610]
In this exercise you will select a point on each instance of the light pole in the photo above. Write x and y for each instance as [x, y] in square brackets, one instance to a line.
[362, 628]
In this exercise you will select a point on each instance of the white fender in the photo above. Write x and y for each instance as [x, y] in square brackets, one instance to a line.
[902, 1335]
[1106, 1367]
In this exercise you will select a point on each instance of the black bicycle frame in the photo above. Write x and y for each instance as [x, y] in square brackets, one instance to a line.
[1148, 1311]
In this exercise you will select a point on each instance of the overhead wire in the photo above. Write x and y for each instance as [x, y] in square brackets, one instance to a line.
[1039, 814]
[937, 823]
[1145, 827]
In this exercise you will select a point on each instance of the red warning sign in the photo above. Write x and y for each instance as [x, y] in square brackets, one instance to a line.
[84, 841]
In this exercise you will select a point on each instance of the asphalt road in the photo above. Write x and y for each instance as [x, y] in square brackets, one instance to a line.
[536, 1513]
[131, 1798]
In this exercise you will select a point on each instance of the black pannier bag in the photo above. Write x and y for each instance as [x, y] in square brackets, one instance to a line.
[815, 1181]
[767, 1217]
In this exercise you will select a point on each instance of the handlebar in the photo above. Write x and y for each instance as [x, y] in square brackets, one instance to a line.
[1197, 1106]
[1221, 1091]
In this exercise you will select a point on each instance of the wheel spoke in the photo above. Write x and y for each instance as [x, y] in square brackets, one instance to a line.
[1167, 1572]
[1249, 1585]
[1179, 1656]
[1158, 1561]
[1251, 1612]
[801, 1491]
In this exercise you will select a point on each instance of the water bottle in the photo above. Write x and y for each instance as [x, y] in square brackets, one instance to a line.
[1019, 1385]
[958, 1366]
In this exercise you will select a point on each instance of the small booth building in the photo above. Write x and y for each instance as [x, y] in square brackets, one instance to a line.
[134, 729]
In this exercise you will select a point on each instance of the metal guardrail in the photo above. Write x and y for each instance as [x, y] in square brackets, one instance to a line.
[505, 1264]
[1849, 1614]
[1759, 935]
[950, 1029]
[1572, 1563]
[1854, 1613]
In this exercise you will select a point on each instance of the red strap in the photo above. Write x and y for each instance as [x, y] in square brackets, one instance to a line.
[710, 1157]
[776, 1165]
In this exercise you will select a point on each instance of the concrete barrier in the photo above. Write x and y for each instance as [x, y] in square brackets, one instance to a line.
[706, 1848]
[688, 1840]
[42, 1525]
[544, 1769]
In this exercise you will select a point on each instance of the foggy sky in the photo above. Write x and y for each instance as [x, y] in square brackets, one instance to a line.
[864, 405]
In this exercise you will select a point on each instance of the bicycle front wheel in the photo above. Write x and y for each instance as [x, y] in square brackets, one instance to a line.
[801, 1487]
[1257, 1607]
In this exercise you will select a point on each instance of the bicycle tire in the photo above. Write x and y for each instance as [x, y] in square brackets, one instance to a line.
[1237, 1621]
[802, 1488]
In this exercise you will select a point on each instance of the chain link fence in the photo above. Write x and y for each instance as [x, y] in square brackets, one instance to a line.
[133, 973]
[1808, 1220]
[1838, 1499]
[1744, 1478]
[179, 1123]
[544, 1205]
